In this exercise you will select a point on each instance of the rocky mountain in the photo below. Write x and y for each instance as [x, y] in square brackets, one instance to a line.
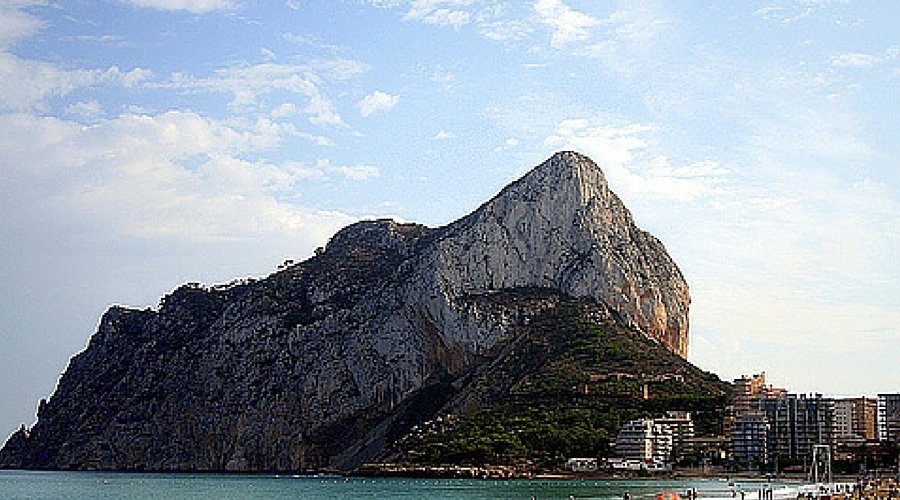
[322, 364]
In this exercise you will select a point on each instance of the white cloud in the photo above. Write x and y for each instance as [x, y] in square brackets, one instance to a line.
[505, 30]
[855, 60]
[16, 24]
[376, 102]
[499, 24]
[131, 78]
[606, 144]
[194, 6]
[439, 12]
[568, 25]
[88, 110]
[615, 149]
[284, 110]
[141, 175]
[783, 15]
[444, 135]
[27, 84]
[319, 140]
[246, 83]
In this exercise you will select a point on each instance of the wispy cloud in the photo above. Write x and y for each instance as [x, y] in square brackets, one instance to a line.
[350, 172]
[504, 30]
[16, 23]
[787, 12]
[246, 83]
[111, 40]
[313, 41]
[628, 39]
[27, 84]
[508, 144]
[377, 102]
[194, 6]
[854, 60]
[439, 12]
[453, 13]
[342, 68]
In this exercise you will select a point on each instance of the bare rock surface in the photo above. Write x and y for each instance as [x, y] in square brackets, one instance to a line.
[309, 368]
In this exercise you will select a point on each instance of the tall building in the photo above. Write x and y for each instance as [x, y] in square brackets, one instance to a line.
[796, 423]
[843, 428]
[750, 439]
[681, 427]
[889, 418]
[750, 427]
[865, 418]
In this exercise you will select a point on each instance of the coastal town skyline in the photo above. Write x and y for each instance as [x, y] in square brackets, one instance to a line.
[149, 143]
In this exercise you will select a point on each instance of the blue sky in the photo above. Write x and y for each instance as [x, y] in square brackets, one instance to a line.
[147, 143]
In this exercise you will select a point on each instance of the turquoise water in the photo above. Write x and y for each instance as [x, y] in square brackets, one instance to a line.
[101, 485]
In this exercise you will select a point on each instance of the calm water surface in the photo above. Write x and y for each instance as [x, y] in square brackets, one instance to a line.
[101, 485]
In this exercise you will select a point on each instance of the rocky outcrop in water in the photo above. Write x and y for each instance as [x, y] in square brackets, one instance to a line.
[309, 368]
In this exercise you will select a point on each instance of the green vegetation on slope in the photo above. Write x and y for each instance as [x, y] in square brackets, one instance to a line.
[568, 382]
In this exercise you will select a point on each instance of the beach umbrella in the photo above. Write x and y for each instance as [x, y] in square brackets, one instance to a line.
[667, 495]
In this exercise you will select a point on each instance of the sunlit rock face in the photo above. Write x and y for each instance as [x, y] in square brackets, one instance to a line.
[311, 367]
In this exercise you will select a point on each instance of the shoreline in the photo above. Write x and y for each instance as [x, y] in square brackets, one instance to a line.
[488, 473]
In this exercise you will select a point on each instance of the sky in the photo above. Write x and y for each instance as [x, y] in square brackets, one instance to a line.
[149, 143]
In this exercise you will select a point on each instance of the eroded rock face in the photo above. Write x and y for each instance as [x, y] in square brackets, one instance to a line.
[310, 367]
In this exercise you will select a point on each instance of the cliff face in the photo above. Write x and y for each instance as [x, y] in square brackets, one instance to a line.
[560, 227]
[313, 366]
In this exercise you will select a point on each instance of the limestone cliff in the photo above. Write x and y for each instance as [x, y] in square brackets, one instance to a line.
[310, 367]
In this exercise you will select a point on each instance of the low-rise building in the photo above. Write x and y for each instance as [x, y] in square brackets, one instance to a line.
[645, 440]
[582, 464]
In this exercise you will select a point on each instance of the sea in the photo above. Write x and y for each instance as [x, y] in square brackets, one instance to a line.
[102, 485]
